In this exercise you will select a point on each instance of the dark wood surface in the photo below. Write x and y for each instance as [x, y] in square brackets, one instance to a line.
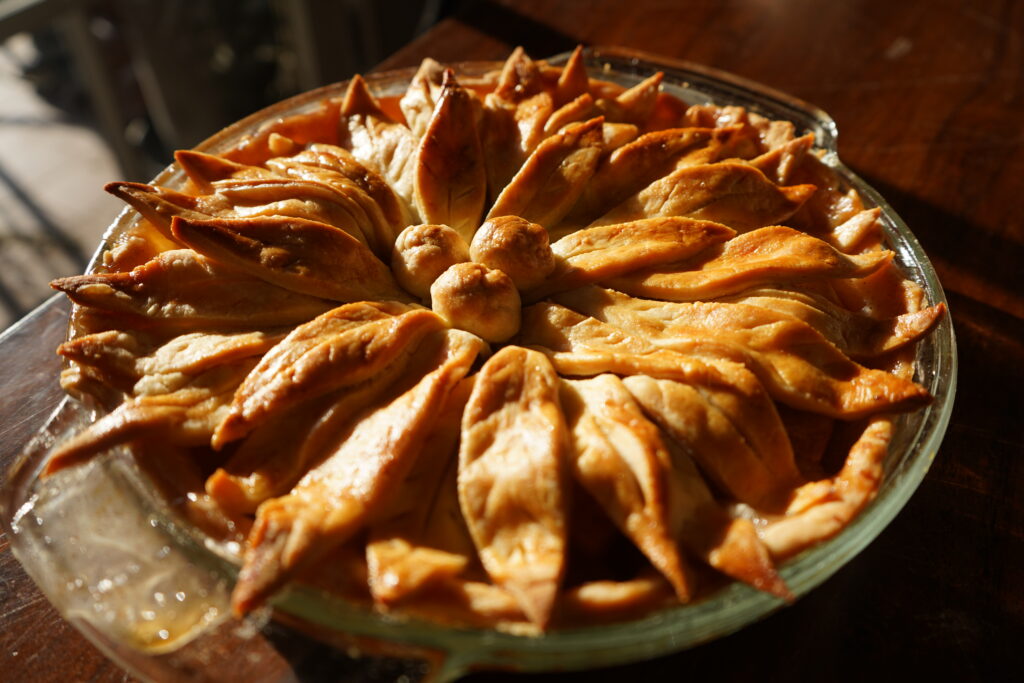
[929, 99]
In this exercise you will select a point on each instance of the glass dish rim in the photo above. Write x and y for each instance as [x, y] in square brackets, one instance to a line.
[681, 626]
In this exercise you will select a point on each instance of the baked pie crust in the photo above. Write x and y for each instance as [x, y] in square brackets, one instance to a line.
[522, 352]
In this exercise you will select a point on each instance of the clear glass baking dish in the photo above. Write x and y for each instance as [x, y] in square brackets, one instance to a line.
[152, 593]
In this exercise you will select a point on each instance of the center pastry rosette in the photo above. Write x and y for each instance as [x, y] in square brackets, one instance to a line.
[527, 352]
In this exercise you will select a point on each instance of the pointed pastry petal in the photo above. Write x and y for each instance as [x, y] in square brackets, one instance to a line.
[513, 120]
[379, 229]
[339, 496]
[573, 82]
[451, 179]
[279, 452]
[760, 257]
[547, 185]
[519, 77]
[720, 394]
[841, 499]
[581, 346]
[742, 555]
[419, 100]
[863, 228]
[580, 109]
[578, 345]
[335, 166]
[299, 255]
[634, 166]
[126, 357]
[618, 456]
[729, 192]
[279, 136]
[857, 335]
[602, 253]
[110, 357]
[512, 478]
[421, 540]
[708, 435]
[183, 414]
[705, 529]
[296, 199]
[634, 105]
[158, 205]
[797, 365]
[780, 163]
[387, 147]
[182, 290]
[341, 348]
[205, 169]
[616, 135]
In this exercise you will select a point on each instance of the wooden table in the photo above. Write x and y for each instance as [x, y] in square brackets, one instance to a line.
[929, 98]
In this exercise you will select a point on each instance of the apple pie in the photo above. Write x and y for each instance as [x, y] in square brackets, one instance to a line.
[519, 351]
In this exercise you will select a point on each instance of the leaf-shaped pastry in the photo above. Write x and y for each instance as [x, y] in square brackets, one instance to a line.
[297, 199]
[579, 109]
[605, 252]
[378, 230]
[780, 163]
[252, 197]
[205, 169]
[547, 185]
[730, 545]
[421, 539]
[862, 229]
[421, 97]
[451, 180]
[837, 500]
[760, 257]
[722, 396]
[512, 477]
[387, 147]
[513, 119]
[797, 365]
[634, 105]
[335, 166]
[294, 253]
[857, 335]
[708, 435]
[340, 348]
[729, 192]
[341, 494]
[573, 82]
[639, 163]
[158, 205]
[126, 357]
[583, 346]
[184, 413]
[618, 456]
[282, 448]
[182, 290]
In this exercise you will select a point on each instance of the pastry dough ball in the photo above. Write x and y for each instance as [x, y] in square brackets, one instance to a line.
[515, 246]
[422, 252]
[477, 299]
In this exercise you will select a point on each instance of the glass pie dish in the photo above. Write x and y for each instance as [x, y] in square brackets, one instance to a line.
[153, 592]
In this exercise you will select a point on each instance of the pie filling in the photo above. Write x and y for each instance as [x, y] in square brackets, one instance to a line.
[523, 352]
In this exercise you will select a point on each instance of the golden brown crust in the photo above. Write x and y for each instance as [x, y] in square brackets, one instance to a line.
[701, 383]
[422, 252]
[477, 299]
[516, 247]
[512, 479]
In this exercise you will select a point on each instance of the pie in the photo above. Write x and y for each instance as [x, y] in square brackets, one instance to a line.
[520, 351]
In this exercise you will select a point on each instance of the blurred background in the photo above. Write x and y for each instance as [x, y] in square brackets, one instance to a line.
[98, 90]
